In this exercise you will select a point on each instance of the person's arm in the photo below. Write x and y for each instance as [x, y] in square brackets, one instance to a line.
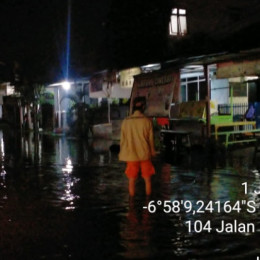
[151, 140]
[122, 140]
[122, 135]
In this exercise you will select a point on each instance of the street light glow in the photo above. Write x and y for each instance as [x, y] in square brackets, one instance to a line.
[65, 85]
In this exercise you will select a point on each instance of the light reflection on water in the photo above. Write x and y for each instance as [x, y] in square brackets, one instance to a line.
[69, 183]
[77, 192]
[3, 194]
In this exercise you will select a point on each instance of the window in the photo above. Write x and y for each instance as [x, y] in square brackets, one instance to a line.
[193, 89]
[178, 22]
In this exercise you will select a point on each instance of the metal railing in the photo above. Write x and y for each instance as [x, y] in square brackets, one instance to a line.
[239, 110]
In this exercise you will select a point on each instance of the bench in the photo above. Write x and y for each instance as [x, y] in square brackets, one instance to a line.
[217, 126]
[248, 135]
[191, 117]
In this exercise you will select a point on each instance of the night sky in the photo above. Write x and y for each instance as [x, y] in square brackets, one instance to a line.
[33, 32]
[113, 33]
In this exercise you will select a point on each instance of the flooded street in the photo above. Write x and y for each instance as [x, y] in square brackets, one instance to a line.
[64, 198]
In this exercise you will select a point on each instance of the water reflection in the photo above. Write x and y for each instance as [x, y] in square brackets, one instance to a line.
[75, 192]
[69, 183]
[136, 227]
[3, 193]
[45, 163]
[2, 156]
[64, 155]
[68, 166]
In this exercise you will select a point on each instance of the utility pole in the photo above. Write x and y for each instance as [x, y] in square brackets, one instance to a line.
[206, 74]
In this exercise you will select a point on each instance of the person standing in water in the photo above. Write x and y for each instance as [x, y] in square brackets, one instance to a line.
[137, 146]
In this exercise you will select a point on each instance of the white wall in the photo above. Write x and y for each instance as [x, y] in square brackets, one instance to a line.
[220, 91]
[116, 92]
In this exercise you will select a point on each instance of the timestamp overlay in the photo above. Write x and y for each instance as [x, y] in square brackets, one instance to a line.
[194, 210]
[202, 218]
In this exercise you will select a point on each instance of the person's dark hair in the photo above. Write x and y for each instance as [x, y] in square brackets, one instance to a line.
[139, 104]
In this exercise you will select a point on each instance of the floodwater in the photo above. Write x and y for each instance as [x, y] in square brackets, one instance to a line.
[67, 199]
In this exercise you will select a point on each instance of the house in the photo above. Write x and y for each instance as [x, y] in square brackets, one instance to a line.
[64, 96]
[194, 40]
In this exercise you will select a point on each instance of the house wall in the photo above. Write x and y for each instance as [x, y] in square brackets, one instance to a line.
[220, 91]
[221, 16]
[116, 92]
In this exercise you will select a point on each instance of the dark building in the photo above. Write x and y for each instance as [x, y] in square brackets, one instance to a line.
[141, 32]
